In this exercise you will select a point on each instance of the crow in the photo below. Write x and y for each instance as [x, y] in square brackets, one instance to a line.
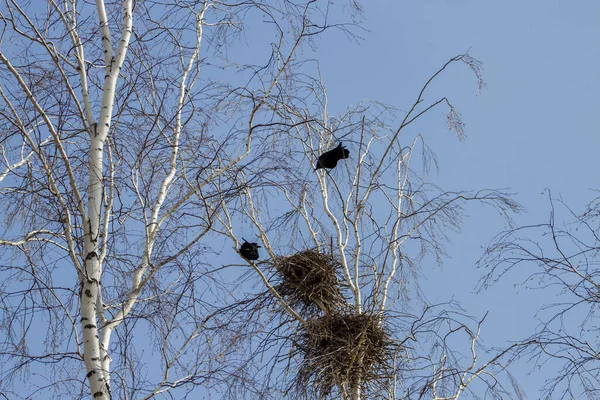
[330, 158]
[249, 250]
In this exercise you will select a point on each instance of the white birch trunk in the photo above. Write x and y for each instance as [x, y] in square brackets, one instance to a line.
[97, 360]
[356, 391]
[93, 357]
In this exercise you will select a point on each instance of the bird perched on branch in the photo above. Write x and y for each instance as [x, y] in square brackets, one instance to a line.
[249, 250]
[330, 158]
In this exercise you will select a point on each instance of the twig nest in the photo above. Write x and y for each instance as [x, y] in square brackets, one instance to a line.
[343, 351]
[308, 281]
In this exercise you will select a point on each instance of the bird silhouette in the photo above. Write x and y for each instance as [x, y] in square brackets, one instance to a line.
[330, 158]
[249, 250]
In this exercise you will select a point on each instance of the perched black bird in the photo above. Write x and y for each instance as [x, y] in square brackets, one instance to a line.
[330, 158]
[249, 250]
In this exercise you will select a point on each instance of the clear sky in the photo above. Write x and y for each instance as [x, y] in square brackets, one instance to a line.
[535, 126]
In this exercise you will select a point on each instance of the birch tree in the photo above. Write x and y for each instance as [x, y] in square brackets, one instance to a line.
[342, 253]
[119, 123]
[560, 257]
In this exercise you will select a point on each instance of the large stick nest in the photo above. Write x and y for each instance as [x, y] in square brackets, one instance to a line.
[343, 351]
[308, 281]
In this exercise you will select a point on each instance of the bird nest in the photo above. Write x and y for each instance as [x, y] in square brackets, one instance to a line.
[308, 281]
[341, 351]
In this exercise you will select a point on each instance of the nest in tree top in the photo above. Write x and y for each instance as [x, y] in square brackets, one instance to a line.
[308, 281]
[343, 350]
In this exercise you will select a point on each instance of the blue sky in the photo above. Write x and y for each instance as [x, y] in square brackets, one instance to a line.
[534, 123]
[535, 126]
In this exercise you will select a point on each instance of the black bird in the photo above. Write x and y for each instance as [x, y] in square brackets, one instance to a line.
[249, 250]
[330, 158]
